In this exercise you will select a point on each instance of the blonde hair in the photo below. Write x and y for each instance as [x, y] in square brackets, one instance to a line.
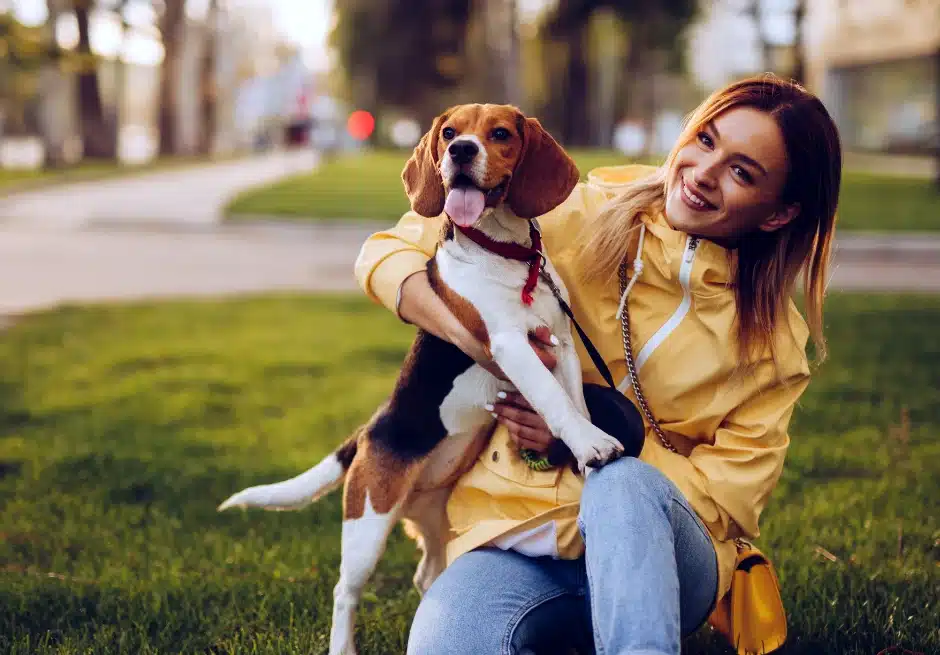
[765, 271]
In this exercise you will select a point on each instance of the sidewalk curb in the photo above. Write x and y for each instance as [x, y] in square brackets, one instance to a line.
[854, 244]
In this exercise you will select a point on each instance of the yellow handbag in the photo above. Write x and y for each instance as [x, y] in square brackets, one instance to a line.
[751, 615]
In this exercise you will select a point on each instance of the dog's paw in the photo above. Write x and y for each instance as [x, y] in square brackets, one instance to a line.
[593, 447]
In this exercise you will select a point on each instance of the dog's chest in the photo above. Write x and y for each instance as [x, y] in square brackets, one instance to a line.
[493, 285]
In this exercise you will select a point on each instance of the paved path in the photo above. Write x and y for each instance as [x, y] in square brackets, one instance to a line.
[157, 235]
[189, 196]
[40, 268]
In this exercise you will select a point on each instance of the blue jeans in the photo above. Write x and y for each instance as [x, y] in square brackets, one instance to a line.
[649, 576]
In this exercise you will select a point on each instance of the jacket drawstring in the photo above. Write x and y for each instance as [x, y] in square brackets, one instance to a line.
[637, 271]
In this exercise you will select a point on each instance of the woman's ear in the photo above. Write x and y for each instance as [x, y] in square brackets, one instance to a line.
[781, 218]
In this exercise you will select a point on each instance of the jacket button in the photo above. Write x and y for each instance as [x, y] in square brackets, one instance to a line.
[495, 455]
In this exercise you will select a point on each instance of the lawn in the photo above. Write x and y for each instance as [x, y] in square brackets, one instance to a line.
[368, 187]
[121, 428]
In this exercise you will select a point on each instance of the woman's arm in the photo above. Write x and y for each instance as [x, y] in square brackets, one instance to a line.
[390, 257]
[420, 305]
[392, 269]
[730, 480]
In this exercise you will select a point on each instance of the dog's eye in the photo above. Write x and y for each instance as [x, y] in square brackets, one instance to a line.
[501, 134]
[449, 133]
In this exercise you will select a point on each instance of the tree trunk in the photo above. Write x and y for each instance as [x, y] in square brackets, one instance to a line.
[171, 32]
[753, 12]
[208, 84]
[799, 56]
[502, 51]
[936, 117]
[97, 139]
[575, 124]
[53, 86]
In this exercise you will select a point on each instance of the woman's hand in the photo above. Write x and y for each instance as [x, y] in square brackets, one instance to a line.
[526, 428]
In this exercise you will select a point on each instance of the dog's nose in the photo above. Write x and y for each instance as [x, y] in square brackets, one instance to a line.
[463, 152]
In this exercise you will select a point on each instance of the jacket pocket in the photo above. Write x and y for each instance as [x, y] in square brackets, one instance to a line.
[501, 457]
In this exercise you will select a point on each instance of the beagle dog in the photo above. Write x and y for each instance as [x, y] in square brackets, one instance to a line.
[490, 170]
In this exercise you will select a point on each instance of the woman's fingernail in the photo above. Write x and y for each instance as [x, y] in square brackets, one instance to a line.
[493, 414]
[501, 395]
[554, 340]
[488, 407]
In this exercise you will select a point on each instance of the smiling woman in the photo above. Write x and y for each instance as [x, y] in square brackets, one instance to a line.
[722, 187]
[640, 552]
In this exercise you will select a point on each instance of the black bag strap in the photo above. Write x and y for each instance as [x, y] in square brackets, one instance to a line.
[592, 351]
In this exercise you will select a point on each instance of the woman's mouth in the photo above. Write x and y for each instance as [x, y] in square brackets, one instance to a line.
[693, 200]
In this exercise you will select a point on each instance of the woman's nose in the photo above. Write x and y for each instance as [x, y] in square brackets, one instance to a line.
[704, 175]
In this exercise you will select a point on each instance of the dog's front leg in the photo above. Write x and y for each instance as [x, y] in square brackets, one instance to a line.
[568, 372]
[590, 445]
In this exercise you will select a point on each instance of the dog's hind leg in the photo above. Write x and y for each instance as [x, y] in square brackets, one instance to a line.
[426, 521]
[377, 487]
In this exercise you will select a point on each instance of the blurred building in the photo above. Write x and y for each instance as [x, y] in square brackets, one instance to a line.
[876, 63]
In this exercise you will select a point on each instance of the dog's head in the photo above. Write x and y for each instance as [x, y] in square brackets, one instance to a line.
[479, 156]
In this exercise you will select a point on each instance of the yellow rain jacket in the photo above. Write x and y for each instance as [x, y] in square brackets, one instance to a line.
[730, 429]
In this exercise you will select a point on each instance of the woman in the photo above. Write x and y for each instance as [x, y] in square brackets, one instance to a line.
[637, 556]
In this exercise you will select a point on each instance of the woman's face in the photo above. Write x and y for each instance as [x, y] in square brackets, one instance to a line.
[727, 181]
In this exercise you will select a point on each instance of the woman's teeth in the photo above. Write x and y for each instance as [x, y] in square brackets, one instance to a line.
[694, 199]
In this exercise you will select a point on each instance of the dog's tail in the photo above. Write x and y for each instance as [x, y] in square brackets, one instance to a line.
[301, 490]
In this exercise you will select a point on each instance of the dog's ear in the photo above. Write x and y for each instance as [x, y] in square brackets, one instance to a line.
[545, 174]
[421, 175]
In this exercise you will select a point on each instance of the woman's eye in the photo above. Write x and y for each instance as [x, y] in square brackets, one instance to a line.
[449, 133]
[742, 174]
[500, 134]
[704, 139]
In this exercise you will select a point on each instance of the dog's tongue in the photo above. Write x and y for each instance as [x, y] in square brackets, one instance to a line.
[464, 205]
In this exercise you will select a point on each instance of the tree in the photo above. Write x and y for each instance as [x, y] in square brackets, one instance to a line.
[54, 92]
[99, 136]
[655, 28]
[171, 25]
[797, 72]
[401, 53]
[208, 82]
[22, 53]
[501, 51]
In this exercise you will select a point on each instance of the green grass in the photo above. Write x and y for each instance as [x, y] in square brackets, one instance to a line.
[15, 180]
[368, 186]
[121, 428]
[359, 186]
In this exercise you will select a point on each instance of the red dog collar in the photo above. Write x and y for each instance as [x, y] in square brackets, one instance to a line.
[514, 251]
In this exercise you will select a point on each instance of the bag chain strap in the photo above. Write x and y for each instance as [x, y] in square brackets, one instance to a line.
[740, 543]
[631, 365]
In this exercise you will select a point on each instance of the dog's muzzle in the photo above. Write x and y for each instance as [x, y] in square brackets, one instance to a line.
[463, 152]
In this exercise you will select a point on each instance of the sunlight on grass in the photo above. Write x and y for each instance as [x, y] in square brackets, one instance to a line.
[123, 427]
[368, 186]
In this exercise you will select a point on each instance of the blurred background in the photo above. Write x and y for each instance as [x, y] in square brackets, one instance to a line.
[134, 80]
[160, 158]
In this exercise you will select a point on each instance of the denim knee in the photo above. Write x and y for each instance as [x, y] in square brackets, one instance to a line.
[465, 612]
[623, 479]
